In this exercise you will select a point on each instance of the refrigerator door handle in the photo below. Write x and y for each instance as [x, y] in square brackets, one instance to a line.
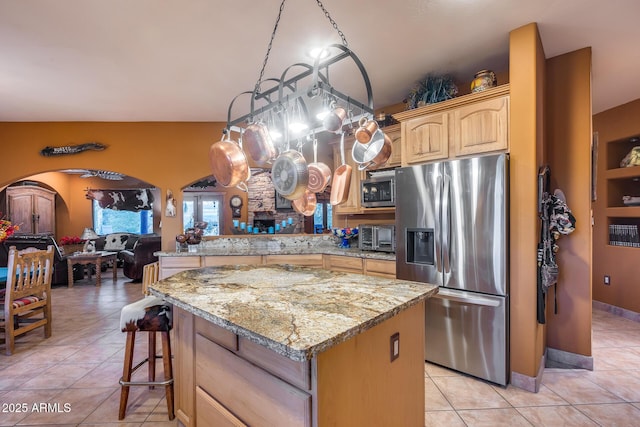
[473, 299]
[438, 224]
[446, 224]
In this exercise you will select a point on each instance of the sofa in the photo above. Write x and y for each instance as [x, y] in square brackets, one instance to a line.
[40, 241]
[142, 253]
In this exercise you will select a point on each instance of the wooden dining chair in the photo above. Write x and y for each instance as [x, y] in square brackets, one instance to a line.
[27, 296]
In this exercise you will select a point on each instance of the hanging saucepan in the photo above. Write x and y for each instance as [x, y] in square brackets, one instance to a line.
[290, 174]
[366, 130]
[375, 153]
[341, 179]
[229, 163]
[305, 204]
[334, 120]
[258, 143]
[319, 173]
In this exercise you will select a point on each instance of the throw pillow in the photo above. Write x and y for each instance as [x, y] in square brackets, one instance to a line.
[116, 241]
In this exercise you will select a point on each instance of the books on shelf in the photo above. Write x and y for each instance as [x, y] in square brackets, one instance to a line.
[624, 235]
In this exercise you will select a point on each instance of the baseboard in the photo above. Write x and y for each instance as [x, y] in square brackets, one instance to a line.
[566, 360]
[618, 311]
[526, 382]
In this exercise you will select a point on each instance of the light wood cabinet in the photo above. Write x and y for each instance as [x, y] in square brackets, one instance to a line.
[346, 264]
[183, 330]
[481, 127]
[211, 261]
[170, 265]
[395, 159]
[468, 125]
[352, 205]
[425, 138]
[310, 260]
[380, 268]
[32, 208]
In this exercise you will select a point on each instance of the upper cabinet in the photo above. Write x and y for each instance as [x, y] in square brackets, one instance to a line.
[467, 125]
[33, 208]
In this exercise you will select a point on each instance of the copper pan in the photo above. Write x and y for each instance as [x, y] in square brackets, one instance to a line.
[229, 163]
[319, 173]
[306, 204]
[258, 143]
[341, 179]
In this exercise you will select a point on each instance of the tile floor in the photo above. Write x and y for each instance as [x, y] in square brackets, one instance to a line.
[76, 371]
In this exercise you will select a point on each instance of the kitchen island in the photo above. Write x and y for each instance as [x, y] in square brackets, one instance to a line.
[296, 346]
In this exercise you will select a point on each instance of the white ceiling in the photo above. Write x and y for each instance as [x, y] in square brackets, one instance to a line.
[170, 60]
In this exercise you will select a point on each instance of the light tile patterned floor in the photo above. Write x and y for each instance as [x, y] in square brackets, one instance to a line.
[79, 366]
[607, 396]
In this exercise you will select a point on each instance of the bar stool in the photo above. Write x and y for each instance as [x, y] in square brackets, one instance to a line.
[150, 314]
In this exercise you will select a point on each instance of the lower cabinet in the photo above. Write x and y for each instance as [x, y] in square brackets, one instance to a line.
[342, 263]
[183, 330]
[380, 267]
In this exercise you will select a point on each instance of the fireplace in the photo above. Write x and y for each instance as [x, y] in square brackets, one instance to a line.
[263, 220]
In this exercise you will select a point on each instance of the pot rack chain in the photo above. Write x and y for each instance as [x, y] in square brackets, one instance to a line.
[333, 23]
[275, 30]
[266, 56]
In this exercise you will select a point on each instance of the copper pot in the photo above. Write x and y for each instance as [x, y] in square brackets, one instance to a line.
[229, 163]
[306, 204]
[375, 153]
[341, 179]
[334, 120]
[319, 173]
[258, 143]
[290, 174]
[366, 130]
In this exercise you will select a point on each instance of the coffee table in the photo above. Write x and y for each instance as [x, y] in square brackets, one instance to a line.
[92, 258]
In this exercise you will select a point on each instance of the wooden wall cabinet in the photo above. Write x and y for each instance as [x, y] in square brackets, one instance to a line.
[469, 125]
[183, 344]
[32, 208]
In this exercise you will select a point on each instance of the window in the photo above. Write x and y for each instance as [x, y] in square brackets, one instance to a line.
[203, 207]
[107, 221]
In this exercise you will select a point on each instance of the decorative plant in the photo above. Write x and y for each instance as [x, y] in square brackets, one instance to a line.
[7, 229]
[432, 89]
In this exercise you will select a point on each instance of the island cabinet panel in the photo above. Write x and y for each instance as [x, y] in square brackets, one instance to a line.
[249, 393]
[312, 260]
[216, 334]
[380, 268]
[212, 413]
[425, 138]
[172, 265]
[481, 127]
[356, 378]
[211, 261]
[183, 330]
[346, 264]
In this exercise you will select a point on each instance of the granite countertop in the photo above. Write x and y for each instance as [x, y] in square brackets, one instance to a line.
[297, 312]
[352, 252]
[279, 245]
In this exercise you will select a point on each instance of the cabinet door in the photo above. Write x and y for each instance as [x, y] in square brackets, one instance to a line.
[352, 205]
[310, 260]
[44, 208]
[183, 351]
[481, 127]
[170, 265]
[346, 264]
[380, 268]
[20, 211]
[425, 138]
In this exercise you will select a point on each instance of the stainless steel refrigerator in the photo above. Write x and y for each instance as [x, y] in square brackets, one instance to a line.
[452, 230]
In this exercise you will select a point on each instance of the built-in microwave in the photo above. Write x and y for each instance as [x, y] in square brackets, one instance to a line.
[377, 237]
[378, 192]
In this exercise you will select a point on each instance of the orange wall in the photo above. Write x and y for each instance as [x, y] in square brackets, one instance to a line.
[620, 263]
[568, 152]
[166, 155]
[526, 76]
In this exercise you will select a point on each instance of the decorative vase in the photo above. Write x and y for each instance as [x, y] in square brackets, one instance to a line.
[344, 243]
[483, 80]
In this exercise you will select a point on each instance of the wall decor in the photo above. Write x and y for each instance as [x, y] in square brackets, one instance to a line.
[170, 209]
[71, 149]
[122, 200]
